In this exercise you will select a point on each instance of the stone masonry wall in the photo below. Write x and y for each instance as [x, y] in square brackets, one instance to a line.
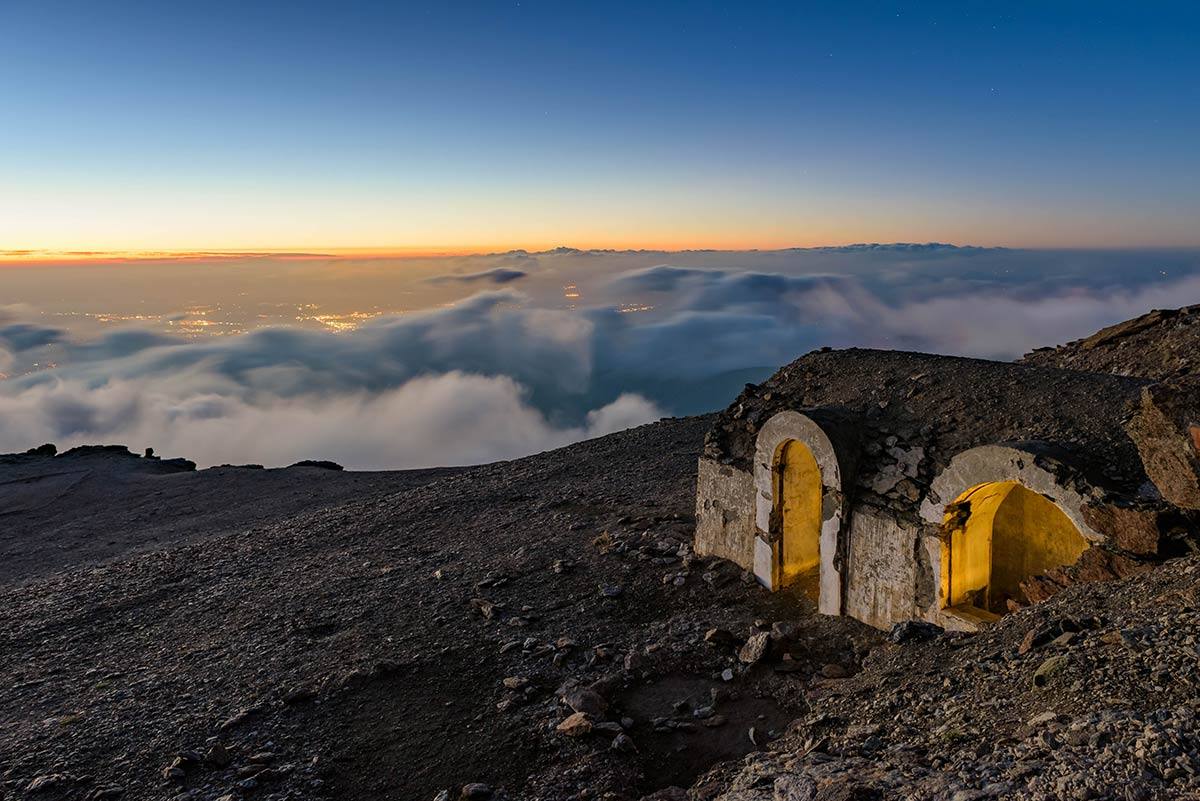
[725, 513]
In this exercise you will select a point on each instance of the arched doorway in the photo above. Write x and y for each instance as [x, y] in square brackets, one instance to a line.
[798, 480]
[798, 493]
[996, 535]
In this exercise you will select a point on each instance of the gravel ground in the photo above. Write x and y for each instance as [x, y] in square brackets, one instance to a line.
[406, 643]
[1090, 695]
[92, 504]
[540, 629]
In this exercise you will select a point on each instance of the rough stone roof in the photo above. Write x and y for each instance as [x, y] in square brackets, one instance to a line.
[897, 402]
[1164, 343]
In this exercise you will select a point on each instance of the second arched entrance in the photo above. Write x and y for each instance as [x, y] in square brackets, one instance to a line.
[996, 535]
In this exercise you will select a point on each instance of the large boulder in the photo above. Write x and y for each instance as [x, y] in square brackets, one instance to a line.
[1166, 430]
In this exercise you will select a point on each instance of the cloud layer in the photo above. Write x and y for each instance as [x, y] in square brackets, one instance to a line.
[502, 373]
[447, 419]
[496, 275]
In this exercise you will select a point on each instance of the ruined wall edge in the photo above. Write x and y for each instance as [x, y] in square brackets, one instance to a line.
[725, 511]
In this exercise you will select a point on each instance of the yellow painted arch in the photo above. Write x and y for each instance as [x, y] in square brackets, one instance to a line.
[798, 492]
[996, 535]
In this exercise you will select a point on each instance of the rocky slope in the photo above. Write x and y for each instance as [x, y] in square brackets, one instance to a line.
[1091, 695]
[413, 641]
[98, 502]
[1160, 344]
[570, 647]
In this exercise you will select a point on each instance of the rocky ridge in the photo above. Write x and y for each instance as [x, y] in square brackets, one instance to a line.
[1161, 344]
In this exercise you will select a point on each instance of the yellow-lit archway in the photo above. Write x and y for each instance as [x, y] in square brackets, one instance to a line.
[798, 512]
[998, 534]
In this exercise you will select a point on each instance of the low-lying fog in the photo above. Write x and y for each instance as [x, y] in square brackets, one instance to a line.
[392, 363]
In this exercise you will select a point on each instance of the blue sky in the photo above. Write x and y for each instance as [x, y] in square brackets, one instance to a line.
[129, 126]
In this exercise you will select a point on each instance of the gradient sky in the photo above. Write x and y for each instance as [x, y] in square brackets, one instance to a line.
[473, 126]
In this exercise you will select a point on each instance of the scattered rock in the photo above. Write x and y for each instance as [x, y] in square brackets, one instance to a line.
[914, 631]
[298, 695]
[667, 794]
[106, 793]
[46, 782]
[624, 744]
[586, 701]
[576, 725]
[790, 787]
[783, 632]
[1036, 638]
[755, 648]
[323, 464]
[485, 607]
[720, 638]
[218, 756]
[1047, 669]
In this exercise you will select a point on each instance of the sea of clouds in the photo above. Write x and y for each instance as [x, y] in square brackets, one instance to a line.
[509, 368]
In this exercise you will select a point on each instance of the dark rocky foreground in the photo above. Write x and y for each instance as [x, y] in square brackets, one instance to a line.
[417, 638]
[1090, 695]
[539, 629]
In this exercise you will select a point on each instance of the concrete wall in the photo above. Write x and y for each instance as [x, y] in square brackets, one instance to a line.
[882, 569]
[725, 513]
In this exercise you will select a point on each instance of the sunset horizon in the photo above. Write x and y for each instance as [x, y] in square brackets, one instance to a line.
[48, 257]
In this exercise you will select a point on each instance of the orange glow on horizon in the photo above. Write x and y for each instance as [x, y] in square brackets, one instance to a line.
[80, 257]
